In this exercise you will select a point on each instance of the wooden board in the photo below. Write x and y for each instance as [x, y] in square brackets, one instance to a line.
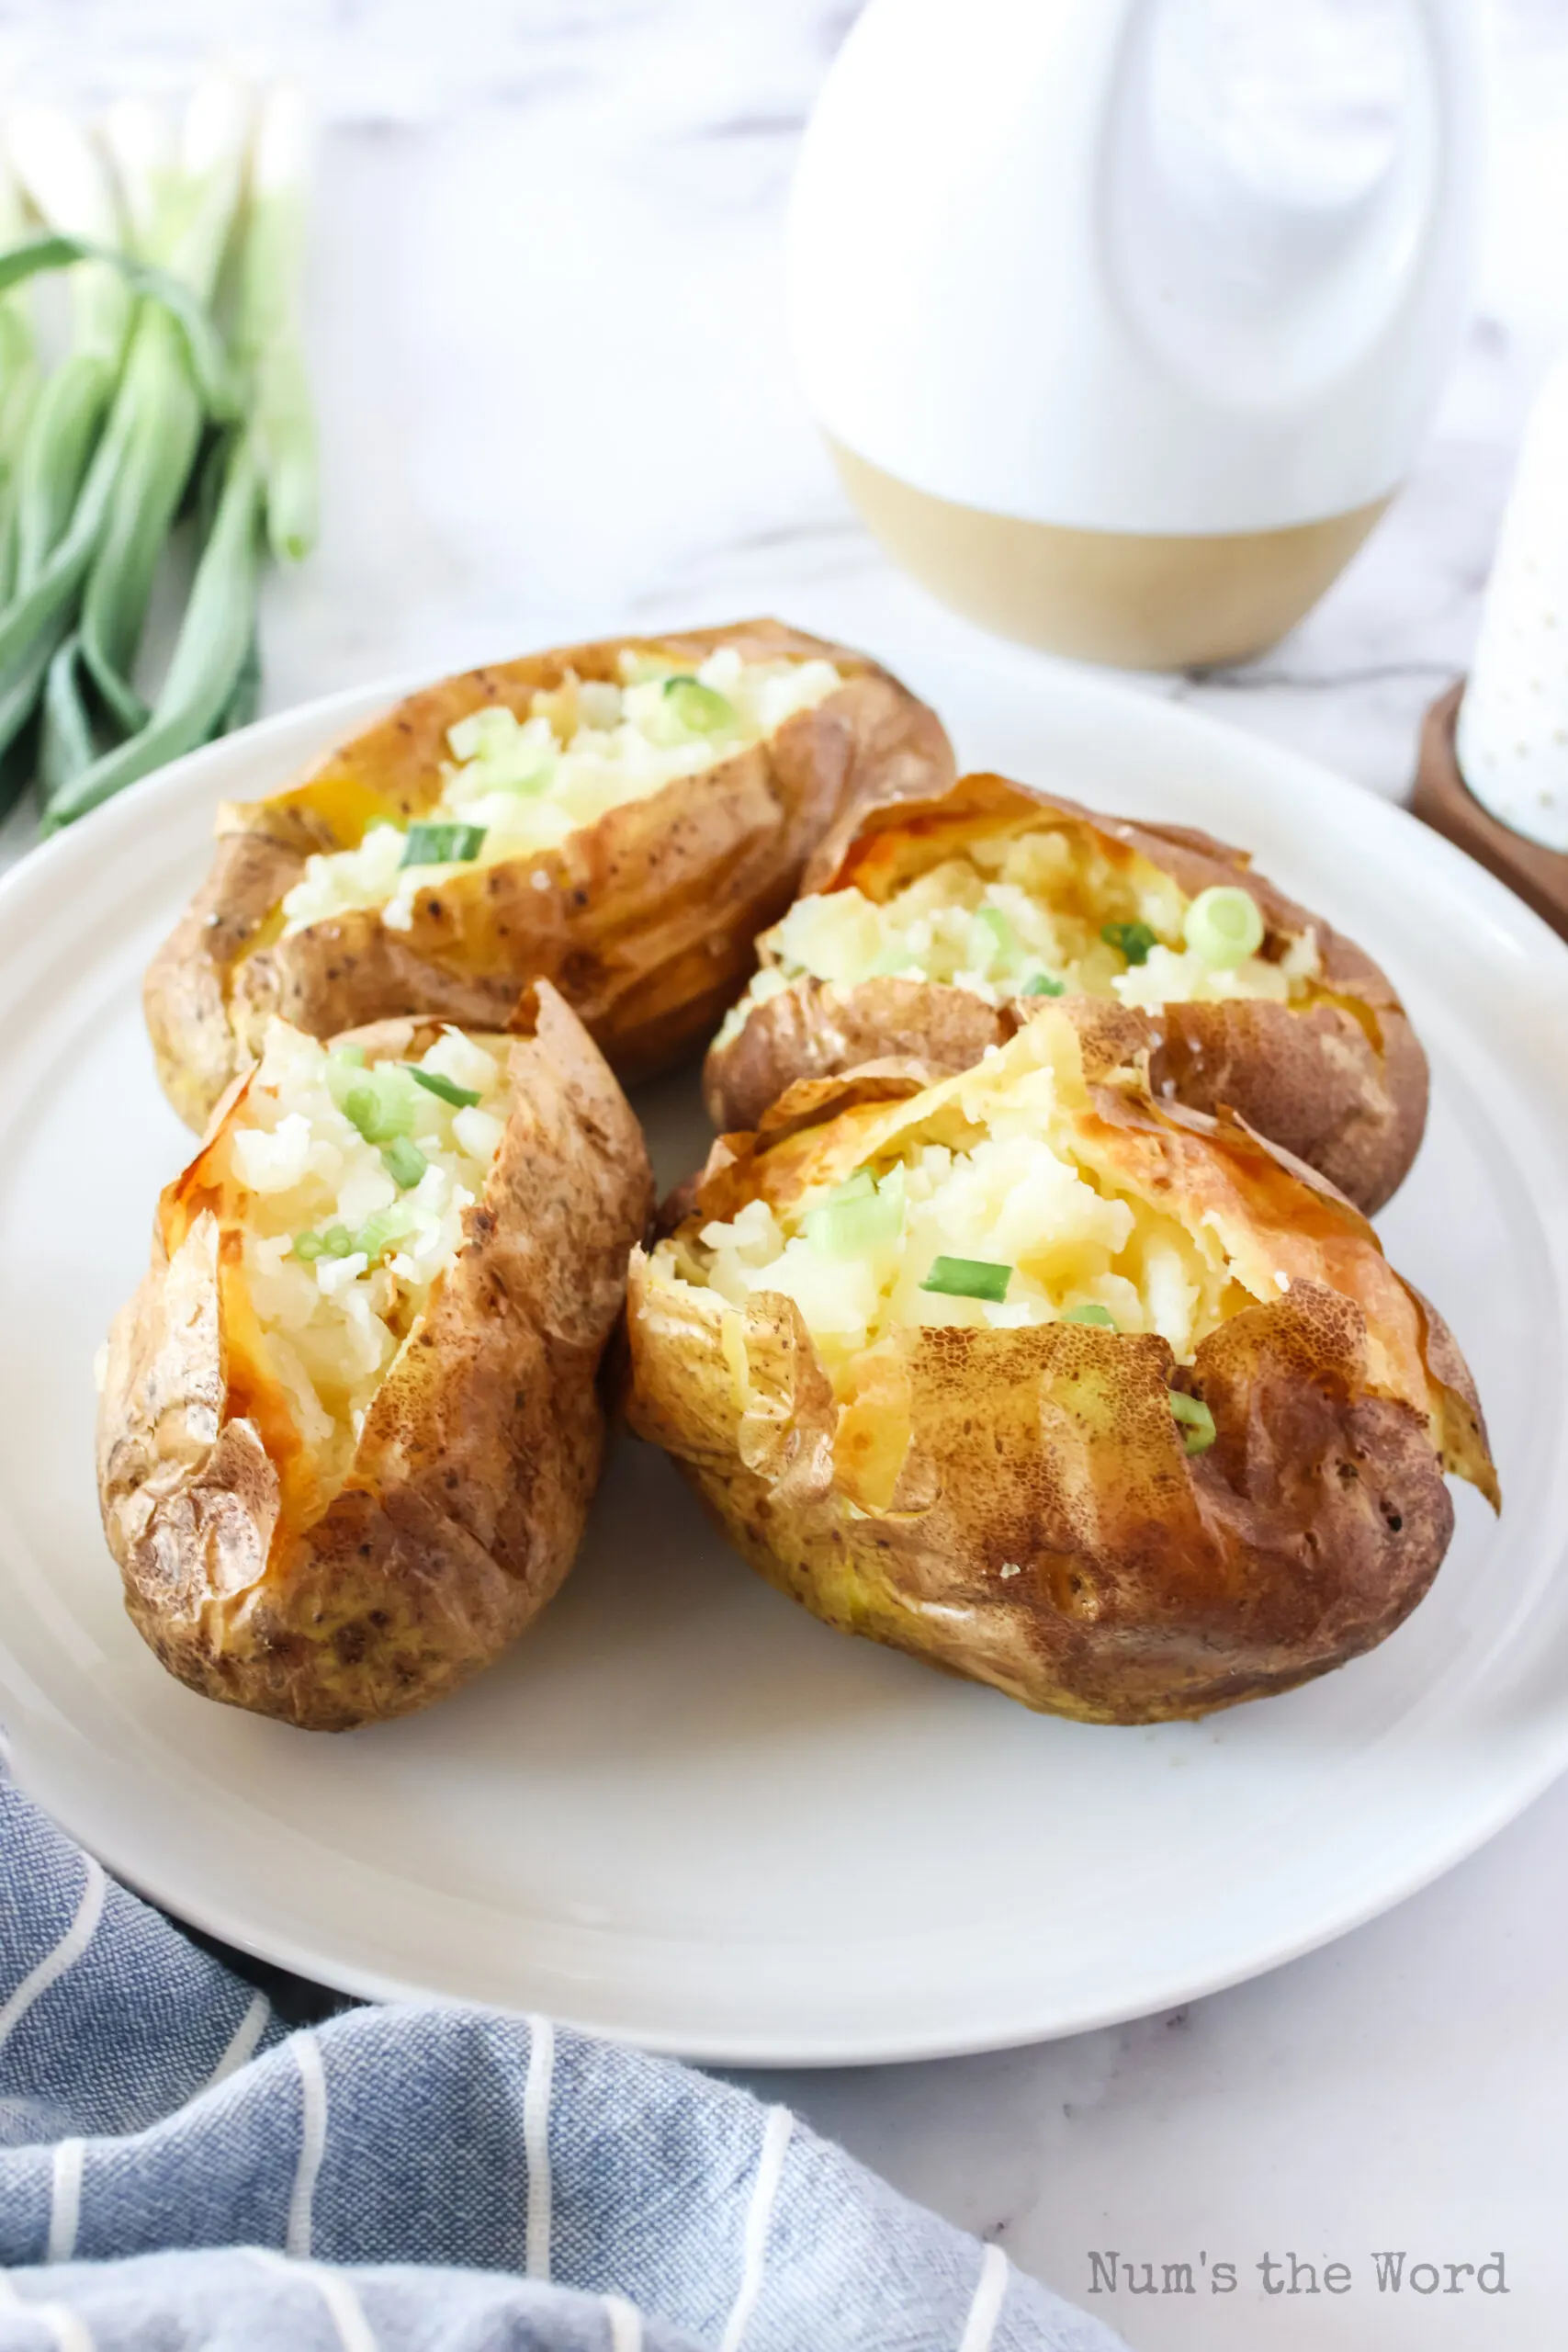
[1445, 801]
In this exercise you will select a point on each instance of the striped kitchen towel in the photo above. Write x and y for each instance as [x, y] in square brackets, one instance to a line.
[178, 2170]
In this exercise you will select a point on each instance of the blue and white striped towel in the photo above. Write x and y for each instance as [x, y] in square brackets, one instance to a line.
[178, 2170]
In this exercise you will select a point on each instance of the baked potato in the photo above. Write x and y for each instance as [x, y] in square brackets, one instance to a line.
[620, 819]
[349, 1427]
[920, 921]
[1055, 1382]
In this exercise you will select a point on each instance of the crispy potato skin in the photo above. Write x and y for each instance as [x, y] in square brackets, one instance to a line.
[1017, 1505]
[1340, 1082]
[466, 1498]
[645, 922]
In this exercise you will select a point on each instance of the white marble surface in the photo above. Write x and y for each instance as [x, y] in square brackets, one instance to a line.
[544, 324]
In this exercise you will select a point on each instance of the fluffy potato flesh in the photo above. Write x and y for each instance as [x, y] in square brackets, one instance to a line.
[349, 1426]
[1072, 1391]
[619, 820]
[931, 929]
[515, 783]
[1048, 908]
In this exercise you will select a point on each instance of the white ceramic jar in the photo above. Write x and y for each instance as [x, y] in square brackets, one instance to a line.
[1091, 375]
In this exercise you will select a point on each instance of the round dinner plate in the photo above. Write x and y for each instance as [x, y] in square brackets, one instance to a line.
[682, 1812]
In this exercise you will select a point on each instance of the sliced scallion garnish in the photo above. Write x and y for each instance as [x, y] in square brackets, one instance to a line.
[1041, 984]
[992, 939]
[462, 1098]
[1090, 1310]
[441, 844]
[858, 1217]
[1223, 927]
[404, 1161]
[1194, 1421]
[698, 708]
[1133, 939]
[968, 1278]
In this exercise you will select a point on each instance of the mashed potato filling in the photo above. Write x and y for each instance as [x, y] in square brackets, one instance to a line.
[996, 1178]
[1016, 914]
[355, 1180]
[516, 787]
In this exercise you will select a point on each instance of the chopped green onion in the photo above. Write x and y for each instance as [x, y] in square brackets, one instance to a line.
[441, 844]
[266, 331]
[1133, 939]
[1041, 984]
[853, 1228]
[210, 651]
[992, 939]
[462, 1098]
[1223, 926]
[337, 1241]
[856, 1187]
[352, 1056]
[392, 1224]
[968, 1278]
[1090, 1310]
[309, 1247]
[404, 1161]
[697, 707]
[1194, 1421]
[381, 1106]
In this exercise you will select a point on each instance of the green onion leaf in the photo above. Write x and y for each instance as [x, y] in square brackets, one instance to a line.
[968, 1278]
[1133, 939]
[1223, 927]
[1041, 984]
[462, 1098]
[441, 844]
[360, 1109]
[1194, 1421]
[992, 939]
[337, 1241]
[381, 1106]
[698, 708]
[387, 1226]
[852, 1224]
[404, 1161]
[309, 1247]
[1090, 1310]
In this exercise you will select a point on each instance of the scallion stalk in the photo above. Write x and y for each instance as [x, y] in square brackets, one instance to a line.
[267, 340]
[187, 213]
[209, 653]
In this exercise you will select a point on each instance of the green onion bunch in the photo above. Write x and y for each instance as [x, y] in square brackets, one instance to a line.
[179, 409]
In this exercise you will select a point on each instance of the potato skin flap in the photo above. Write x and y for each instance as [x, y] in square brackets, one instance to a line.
[330, 1603]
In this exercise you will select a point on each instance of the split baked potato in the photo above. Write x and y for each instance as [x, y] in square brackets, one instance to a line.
[920, 923]
[620, 819]
[1055, 1382]
[349, 1426]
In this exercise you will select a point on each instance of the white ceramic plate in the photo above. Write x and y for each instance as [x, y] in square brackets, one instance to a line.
[683, 1812]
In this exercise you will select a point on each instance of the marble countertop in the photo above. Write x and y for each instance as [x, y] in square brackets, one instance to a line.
[554, 399]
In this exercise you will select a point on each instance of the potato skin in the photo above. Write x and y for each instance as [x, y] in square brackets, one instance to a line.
[1341, 1083]
[646, 926]
[1017, 1505]
[466, 1498]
